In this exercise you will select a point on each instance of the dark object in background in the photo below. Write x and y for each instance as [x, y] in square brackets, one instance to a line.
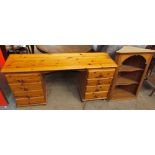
[110, 49]
[30, 48]
[151, 79]
[16, 49]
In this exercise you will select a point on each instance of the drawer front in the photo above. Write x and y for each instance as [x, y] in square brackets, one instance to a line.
[32, 93]
[100, 73]
[37, 100]
[96, 95]
[101, 81]
[25, 86]
[23, 78]
[26, 101]
[22, 101]
[97, 88]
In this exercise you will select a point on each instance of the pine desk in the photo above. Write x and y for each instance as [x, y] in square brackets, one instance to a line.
[24, 73]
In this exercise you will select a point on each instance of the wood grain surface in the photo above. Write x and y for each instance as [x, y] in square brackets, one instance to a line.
[50, 62]
[130, 49]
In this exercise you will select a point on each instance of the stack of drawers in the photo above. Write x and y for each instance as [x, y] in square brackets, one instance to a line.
[95, 83]
[27, 88]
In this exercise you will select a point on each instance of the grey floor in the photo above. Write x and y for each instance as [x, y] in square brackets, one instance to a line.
[62, 94]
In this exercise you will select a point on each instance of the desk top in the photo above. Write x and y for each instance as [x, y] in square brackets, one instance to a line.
[53, 62]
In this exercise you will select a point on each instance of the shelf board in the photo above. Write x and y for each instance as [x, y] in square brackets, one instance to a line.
[127, 68]
[125, 81]
[122, 94]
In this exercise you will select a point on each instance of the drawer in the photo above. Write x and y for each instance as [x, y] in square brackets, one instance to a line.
[96, 95]
[37, 100]
[25, 78]
[32, 93]
[25, 86]
[97, 88]
[97, 81]
[22, 101]
[100, 73]
[26, 101]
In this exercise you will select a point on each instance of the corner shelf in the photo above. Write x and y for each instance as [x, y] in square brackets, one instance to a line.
[122, 94]
[130, 73]
[125, 81]
[128, 68]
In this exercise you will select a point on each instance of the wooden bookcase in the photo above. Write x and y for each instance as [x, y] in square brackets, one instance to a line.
[132, 64]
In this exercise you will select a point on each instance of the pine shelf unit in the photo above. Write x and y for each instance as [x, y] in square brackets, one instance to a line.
[132, 64]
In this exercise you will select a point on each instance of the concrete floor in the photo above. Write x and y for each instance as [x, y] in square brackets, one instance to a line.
[63, 94]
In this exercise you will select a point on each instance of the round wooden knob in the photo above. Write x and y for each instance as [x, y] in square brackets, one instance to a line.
[99, 82]
[95, 96]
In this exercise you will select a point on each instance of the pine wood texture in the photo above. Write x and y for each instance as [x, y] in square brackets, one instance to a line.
[97, 88]
[122, 94]
[23, 78]
[96, 95]
[128, 68]
[27, 88]
[24, 74]
[133, 50]
[125, 81]
[132, 64]
[95, 83]
[99, 81]
[98, 73]
[51, 62]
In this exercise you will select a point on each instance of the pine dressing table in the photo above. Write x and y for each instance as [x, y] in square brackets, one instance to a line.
[24, 74]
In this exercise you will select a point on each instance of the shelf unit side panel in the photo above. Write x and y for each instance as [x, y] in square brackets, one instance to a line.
[148, 58]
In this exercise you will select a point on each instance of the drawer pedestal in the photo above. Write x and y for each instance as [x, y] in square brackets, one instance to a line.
[95, 83]
[27, 88]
